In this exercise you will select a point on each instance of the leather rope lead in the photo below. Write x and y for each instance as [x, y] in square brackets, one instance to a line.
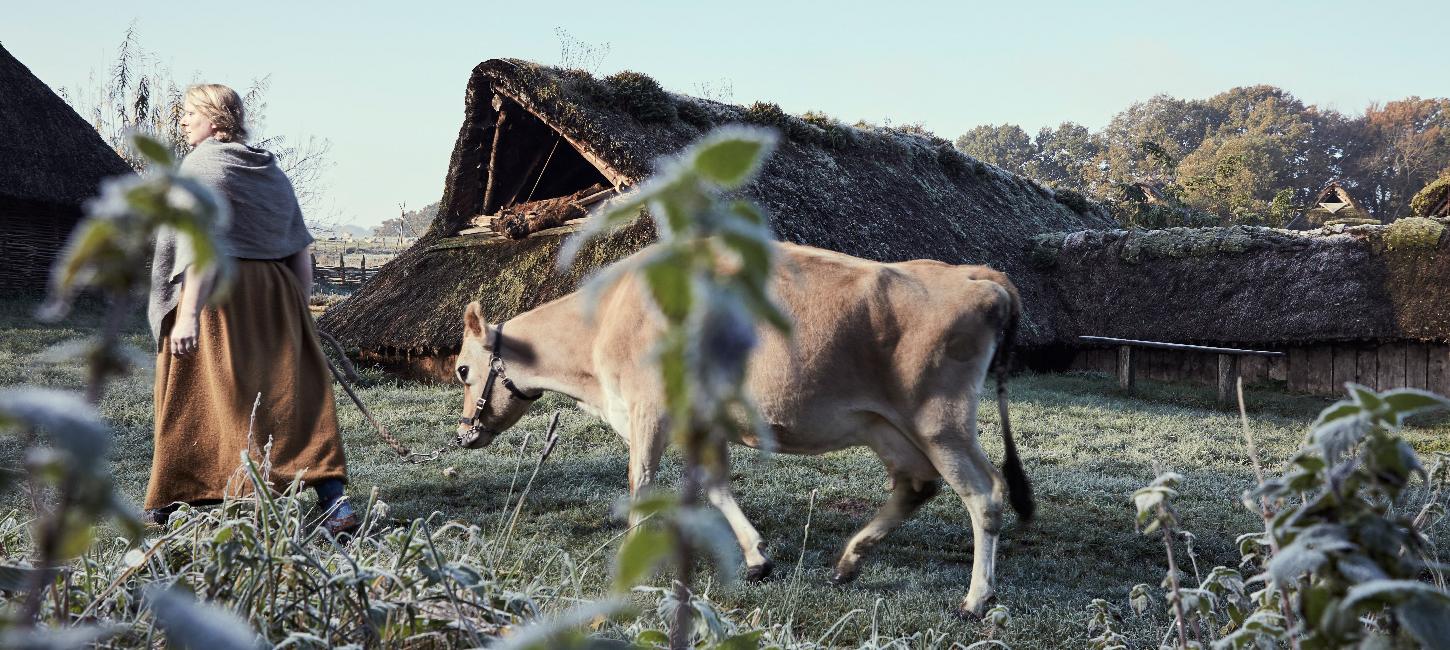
[406, 454]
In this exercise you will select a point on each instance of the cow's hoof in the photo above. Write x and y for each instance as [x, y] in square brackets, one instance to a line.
[759, 572]
[975, 611]
[844, 577]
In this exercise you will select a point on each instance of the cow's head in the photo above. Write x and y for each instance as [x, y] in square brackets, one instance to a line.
[491, 401]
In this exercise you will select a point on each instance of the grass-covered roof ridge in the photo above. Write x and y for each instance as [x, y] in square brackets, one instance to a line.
[1252, 285]
[874, 192]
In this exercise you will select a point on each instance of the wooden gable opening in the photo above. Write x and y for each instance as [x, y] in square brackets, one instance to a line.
[537, 180]
[1333, 205]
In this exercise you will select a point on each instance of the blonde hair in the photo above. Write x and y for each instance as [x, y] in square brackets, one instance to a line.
[221, 106]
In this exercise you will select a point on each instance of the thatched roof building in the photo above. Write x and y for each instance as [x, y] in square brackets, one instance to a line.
[51, 161]
[1333, 205]
[1146, 191]
[537, 139]
[1253, 287]
[1433, 200]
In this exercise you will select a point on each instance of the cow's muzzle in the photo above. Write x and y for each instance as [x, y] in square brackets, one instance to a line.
[473, 437]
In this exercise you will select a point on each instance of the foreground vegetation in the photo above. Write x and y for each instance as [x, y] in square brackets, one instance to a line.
[1086, 447]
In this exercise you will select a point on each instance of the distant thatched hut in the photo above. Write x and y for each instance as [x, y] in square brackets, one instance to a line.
[1333, 205]
[537, 143]
[51, 161]
[1149, 192]
[1368, 304]
[1433, 200]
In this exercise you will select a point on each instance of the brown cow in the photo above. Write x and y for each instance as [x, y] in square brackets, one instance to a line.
[890, 356]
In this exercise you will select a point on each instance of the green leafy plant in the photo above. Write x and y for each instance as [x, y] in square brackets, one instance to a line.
[66, 443]
[1343, 559]
[708, 278]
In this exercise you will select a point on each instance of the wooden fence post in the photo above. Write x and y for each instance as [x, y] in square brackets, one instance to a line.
[1228, 373]
[1127, 373]
[341, 271]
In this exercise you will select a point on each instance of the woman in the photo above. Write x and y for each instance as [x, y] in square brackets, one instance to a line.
[257, 352]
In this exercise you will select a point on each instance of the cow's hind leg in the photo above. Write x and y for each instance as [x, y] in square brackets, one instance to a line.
[964, 465]
[907, 494]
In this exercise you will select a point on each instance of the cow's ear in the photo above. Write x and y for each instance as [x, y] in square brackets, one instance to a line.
[473, 323]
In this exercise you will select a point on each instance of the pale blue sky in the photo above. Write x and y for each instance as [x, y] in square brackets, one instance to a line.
[384, 81]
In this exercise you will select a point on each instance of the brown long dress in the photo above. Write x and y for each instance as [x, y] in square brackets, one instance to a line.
[260, 341]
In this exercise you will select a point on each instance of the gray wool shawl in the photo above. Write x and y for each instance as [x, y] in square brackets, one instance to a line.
[266, 221]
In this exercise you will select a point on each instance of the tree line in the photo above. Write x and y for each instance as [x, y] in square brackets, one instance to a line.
[137, 93]
[1252, 155]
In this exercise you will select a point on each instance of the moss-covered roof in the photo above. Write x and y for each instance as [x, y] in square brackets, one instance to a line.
[1253, 286]
[1433, 200]
[878, 193]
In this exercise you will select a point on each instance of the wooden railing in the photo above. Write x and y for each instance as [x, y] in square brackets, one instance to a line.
[1228, 361]
[343, 276]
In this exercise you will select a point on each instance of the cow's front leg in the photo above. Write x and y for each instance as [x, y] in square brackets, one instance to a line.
[648, 437]
[757, 565]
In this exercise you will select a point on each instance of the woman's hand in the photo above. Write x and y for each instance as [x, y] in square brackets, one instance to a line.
[183, 336]
[194, 291]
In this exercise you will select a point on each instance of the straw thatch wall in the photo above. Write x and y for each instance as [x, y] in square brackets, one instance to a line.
[51, 160]
[876, 193]
[1366, 303]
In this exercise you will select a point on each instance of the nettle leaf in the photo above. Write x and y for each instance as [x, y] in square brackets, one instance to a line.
[195, 626]
[652, 638]
[755, 247]
[749, 212]
[677, 212]
[655, 502]
[607, 217]
[91, 240]
[1338, 410]
[998, 617]
[729, 157]
[1359, 568]
[152, 149]
[707, 529]
[1139, 598]
[1309, 551]
[1366, 397]
[1381, 593]
[670, 285]
[1394, 462]
[560, 631]
[1337, 437]
[1168, 479]
[76, 535]
[624, 209]
[78, 636]
[642, 551]
[1427, 617]
[1405, 402]
[71, 423]
[1147, 501]
[19, 578]
[747, 641]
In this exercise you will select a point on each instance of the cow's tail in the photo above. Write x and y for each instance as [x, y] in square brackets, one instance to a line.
[1019, 488]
